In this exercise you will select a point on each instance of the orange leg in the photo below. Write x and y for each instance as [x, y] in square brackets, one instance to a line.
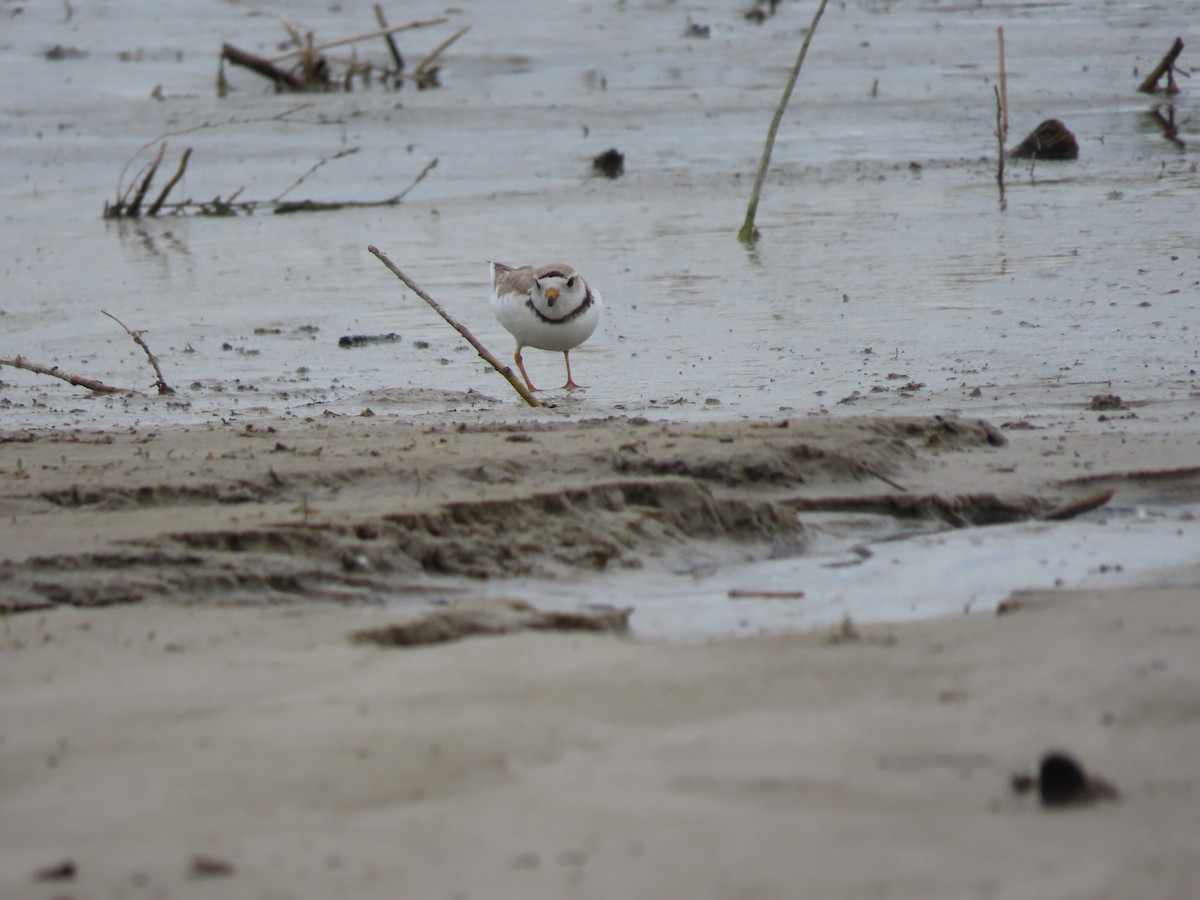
[524, 374]
[570, 385]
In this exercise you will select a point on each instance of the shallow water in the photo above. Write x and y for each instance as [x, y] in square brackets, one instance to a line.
[885, 259]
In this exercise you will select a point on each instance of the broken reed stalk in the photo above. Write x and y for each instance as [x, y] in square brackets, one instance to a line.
[97, 387]
[391, 42]
[158, 202]
[483, 351]
[135, 206]
[160, 382]
[1165, 66]
[438, 50]
[749, 234]
[317, 48]
[1001, 118]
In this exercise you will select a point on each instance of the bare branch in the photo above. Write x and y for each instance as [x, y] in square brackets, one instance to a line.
[160, 383]
[483, 351]
[98, 387]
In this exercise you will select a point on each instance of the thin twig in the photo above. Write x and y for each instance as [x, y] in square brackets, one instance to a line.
[314, 206]
[160, 383]
[136, 204]
[157, 204]
[347, 152]
[483, 351]
[317, 48]
[438, 50]
[749, 233]
[421, 177]
[98, 387]
[391, 42]
[1001, 90]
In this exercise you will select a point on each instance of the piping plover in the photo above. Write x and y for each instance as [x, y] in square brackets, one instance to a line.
[550, 308]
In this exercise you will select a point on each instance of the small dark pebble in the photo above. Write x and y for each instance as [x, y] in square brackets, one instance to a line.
[1063, 782]
[63, 871]
[610, 163]
[209, 867]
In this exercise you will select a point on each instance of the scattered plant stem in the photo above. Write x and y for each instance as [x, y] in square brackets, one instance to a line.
[483, 351]
[160, 383]
[157, 204]
[423, 66]
[98, 387]
[393, 48]
[317, 48]
[1001, 118]
[749, 234]
[277, 117]
[349, 151]
[135, 206]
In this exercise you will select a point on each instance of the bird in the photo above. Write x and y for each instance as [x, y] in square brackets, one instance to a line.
[549, 307]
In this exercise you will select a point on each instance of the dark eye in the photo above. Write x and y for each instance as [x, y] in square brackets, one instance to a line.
[571, 281]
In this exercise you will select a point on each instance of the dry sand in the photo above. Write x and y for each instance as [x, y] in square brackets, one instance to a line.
[213, 730]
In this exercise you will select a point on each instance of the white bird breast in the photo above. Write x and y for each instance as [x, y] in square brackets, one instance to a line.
[530, 331]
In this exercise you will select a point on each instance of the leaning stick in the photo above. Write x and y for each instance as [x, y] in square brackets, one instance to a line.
[358, 37]
[1166, 65]
[749, 233]
[157, 204]
[392, 48]
[160, 383]
[133, 209]
[438, 50]
[1001, 118]
[483, 351]
[98, 387]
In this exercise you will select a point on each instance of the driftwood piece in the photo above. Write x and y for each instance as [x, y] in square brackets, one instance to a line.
[160, 383]
[1166, 66]
[1050, 140]
[98, 387]
[483, 351]
[264, 67]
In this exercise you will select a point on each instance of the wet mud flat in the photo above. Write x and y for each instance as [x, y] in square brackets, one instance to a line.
[362, 512]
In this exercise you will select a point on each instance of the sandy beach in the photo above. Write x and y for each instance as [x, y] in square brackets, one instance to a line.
[187, 713]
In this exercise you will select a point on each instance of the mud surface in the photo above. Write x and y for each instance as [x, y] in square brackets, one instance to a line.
[352, 512]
